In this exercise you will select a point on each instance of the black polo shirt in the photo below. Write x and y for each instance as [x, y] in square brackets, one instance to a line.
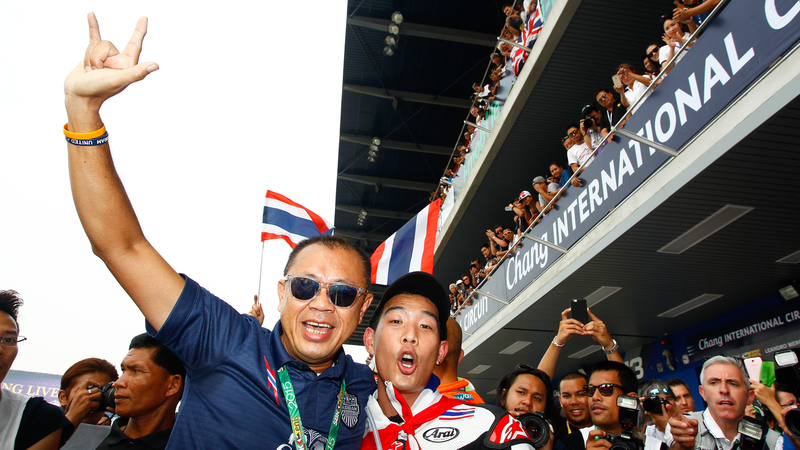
[116, 439]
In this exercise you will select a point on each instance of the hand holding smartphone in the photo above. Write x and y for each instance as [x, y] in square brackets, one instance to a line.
[579, 313]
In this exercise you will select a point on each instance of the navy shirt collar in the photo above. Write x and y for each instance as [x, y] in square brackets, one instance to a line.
[281, 357]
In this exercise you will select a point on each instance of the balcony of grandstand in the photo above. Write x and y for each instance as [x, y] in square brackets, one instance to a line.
[695, 232]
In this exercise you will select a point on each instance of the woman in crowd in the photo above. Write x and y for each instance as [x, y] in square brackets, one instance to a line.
[81, 406]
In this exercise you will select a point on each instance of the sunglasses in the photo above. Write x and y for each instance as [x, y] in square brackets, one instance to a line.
[655, 391]
[573, 133]
[606, 389]
[653, 53]
[341, 295]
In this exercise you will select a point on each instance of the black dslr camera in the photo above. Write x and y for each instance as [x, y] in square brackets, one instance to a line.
[588, 123]
[538, 428]
[628, 418]
[653, 405]
[106, 395]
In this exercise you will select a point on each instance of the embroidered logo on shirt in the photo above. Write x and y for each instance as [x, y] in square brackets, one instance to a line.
[443, 434]
[350, 410]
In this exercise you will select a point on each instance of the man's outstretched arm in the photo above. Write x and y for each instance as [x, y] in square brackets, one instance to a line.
[103, 206]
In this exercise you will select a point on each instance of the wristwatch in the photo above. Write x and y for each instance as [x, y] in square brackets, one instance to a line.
[613, 348]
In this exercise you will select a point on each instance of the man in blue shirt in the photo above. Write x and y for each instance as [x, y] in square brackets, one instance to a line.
[246, 386]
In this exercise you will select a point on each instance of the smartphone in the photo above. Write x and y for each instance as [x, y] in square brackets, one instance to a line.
[616, 80]
[579, 313]
[753, 366]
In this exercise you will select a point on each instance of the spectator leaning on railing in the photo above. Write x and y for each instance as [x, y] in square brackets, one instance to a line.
[578, 152]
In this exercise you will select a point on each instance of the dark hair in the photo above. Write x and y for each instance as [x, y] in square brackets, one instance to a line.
[332, 243]
[84, 366]
[555, 163]
[672, 382]
[629, 67]
[10, 302]
[485, 245]
[550, 409]
[783, 387]
[574, 376]
[626, 376]
[163, 357]
[604, 90]
[572, 125]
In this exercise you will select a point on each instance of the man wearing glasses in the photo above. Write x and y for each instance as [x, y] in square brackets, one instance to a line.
[295, 382]
[25, 422]
[608, 380]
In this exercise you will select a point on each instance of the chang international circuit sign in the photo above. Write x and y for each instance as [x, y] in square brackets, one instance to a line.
[737, 47]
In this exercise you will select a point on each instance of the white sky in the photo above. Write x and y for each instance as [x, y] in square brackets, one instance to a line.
[245, 100]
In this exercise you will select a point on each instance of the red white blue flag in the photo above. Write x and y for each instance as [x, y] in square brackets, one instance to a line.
[408, 250]
[290, 221]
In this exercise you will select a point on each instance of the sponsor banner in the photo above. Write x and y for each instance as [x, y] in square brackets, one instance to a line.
[779, 323]
[737, 47]
[34, 384]
[482, 309]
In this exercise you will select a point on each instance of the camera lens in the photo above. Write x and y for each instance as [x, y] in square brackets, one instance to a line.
[537, 427]
[106, 396]
[652, 405]
[588, 122]
[793, 421]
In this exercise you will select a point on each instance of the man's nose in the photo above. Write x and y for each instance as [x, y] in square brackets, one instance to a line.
[322, 301]
[410, 335]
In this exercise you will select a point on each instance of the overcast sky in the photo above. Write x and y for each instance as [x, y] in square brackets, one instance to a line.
[245, 100]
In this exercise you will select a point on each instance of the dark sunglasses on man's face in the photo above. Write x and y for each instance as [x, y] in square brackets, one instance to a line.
[341, 295]
[606, 389]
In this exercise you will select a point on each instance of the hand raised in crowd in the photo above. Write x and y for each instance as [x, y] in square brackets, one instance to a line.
[598, 331]
[104, 71]
[83, 402]
[596, 441]
[257, 311]
[684, 432]
[577, 181]
[568, 327]
[681, 13]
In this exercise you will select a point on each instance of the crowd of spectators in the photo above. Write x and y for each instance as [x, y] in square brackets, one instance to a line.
[586, 137]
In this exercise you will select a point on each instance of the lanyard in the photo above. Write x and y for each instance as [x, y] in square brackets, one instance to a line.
[294, 413]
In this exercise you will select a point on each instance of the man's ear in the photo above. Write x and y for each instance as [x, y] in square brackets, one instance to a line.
[369, 340]
[175, 385]
[703, 394]
[751, 395]
[443, 347]
[364, 306]
[281, 292]
[460, 355]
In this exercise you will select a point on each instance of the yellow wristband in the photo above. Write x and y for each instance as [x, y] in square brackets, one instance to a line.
[90, 135]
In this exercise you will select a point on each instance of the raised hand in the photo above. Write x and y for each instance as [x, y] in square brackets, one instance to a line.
[257, 311]
[598, 331]
[684, 432]
[568, 327]
[105, 71]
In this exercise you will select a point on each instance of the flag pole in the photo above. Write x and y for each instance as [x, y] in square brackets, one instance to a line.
[260, 268]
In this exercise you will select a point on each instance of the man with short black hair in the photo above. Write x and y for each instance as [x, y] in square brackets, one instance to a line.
[408, 336]
[232, 362]
[146, 396]
[25, 422]
[574, 401]
[579, 152]
[683, 396]
[608, 380]
[614, 110]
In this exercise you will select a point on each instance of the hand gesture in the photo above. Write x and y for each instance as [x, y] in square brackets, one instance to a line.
[104, 71]
[595, 441]
[680, 13]
[598, 331]
[619, 88]
[577, 182]
[256, 311]
[82, 402]
[490, 234]
[684, 431]
[668, 40]
[568, 327]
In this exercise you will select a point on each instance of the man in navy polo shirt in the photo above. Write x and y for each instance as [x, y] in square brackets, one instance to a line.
[246, 387]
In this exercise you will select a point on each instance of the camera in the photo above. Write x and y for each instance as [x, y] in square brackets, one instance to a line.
[538, 428]
[753, 432]
[588, 123]
[106, 395]
[787, 372]
[653, 405]
[629, 419]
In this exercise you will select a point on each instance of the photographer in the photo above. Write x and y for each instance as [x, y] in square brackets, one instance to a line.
[80, 404]
[526, 390]
[147, 395]
[609, 380]
[655, 396]
[725, 387]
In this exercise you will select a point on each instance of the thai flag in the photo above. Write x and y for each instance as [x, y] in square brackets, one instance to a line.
[408, 250]
[290, 221]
